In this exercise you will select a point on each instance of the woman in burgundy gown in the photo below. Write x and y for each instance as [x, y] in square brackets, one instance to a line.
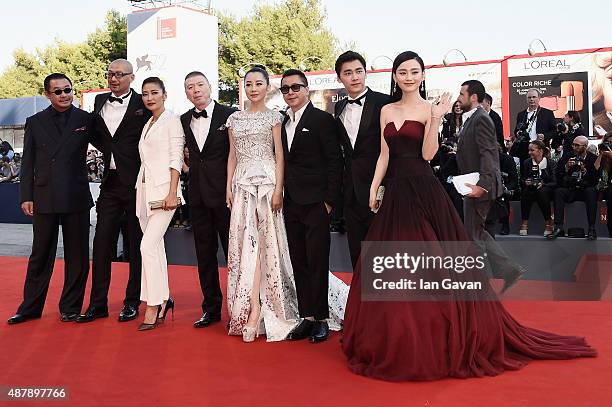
[427, 340]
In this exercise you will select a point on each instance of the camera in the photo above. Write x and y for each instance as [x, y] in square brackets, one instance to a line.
[562, 128]
[605, 146]
[522, 136]
[535, 180]
[575, 173]
[448, 146]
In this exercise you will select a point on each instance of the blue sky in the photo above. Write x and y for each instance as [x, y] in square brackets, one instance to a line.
[481, 29]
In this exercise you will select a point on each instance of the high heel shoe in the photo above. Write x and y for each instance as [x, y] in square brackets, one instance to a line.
[169, 305]
[147, 327]
[250, 333]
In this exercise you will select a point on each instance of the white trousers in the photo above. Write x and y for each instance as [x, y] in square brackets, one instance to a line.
[154, 288]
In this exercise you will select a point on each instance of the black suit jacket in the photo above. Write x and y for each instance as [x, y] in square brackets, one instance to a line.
[313, 166]
[547, 176]
[208, 167]
[124, 144]
[360, 161]
[499, 128]
[546, 123]
[53, 167]
[590, 179]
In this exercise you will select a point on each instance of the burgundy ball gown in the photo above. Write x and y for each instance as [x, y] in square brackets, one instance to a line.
[409, 340]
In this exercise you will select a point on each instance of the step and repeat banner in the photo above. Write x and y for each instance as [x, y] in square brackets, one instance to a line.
[568, 80]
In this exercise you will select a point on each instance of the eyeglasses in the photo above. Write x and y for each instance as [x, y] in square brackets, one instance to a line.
[59, 91]
[295, 88]
[117, 75]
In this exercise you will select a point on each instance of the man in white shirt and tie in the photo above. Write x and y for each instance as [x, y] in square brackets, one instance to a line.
[207, 140]
[358, 119]
[118, 119]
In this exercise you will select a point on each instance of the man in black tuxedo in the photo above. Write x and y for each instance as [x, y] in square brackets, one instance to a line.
[497, 120]
[118, 119]
[533, 123]
[313, 170]
[55, 190]
[478, 151]
[358, 118]
[207, 141]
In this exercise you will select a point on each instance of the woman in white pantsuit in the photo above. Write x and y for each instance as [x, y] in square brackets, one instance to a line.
[161, 155]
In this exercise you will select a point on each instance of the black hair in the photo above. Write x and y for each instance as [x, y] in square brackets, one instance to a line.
[295, 72]
[52, 77]
[155, 80]
[488, 98]
[195, 73]
[574, 115]
[396, 92]
[348, 56]
[475, 87]
[259, 69]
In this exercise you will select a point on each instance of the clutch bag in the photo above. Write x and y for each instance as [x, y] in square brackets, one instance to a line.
[380, 193]
[160, 204]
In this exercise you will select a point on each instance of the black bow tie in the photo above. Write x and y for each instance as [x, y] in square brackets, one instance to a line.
[112, 99]
[358, 100]
[197, 115]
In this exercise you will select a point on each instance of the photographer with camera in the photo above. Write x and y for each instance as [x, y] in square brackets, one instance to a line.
[6, 150]
[604, 164]
[570, 128]
[533, 123]
[577, 178]
[538, 182]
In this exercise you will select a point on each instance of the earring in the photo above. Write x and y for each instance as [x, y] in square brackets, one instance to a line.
[395, 87]
[423, 85]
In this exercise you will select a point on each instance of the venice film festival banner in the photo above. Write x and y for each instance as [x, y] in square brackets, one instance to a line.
[567, 81]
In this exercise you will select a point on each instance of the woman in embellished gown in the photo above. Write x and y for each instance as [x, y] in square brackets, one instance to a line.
[261, 294]
[429, 340]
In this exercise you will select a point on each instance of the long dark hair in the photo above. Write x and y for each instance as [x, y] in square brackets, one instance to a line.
[396, 92]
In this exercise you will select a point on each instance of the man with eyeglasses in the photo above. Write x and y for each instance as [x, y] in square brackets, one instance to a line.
[55, 191]
[577, 178]
[117, 120]
[313, 171]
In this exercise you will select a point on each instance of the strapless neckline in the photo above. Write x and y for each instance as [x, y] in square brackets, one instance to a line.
[403, 124]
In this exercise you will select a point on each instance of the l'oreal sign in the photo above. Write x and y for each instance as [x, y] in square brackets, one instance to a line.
[546, 64]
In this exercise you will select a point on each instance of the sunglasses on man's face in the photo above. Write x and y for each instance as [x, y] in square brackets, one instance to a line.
[59, 91]
[295, 88]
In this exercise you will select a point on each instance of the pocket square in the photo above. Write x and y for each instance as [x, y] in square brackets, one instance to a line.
[81, 128]
[305, 129]
[139, 112]
[223, 127]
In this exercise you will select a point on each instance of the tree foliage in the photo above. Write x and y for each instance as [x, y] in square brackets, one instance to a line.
[277, 36]
[84, 63]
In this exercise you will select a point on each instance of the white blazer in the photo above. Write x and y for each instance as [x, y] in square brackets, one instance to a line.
[161, 148]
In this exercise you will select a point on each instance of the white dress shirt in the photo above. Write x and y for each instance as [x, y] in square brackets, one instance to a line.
[201, 125]
[465, 116]
[351, 117]
[290, 126]
[533, 134]
[112, 113]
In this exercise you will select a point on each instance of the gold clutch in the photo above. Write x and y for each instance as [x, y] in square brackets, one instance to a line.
[380, 193]
[160, 204]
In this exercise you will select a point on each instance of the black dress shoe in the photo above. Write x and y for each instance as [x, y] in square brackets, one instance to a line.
[512, 279]
[128, 313]
[592, 235]
[91, 314]
[19, 318]
[69, 316]
[206, 320]
[302, 331]
[557, 232]
[320, 331]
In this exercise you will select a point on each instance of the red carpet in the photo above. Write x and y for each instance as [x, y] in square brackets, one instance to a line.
[106, 363]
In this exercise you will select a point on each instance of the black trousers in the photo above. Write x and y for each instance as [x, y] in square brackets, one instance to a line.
[210, 225]
[566, 195]
[309, 243]
[541, 196]
[357, 220]
[115, 202]
[75, 230]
